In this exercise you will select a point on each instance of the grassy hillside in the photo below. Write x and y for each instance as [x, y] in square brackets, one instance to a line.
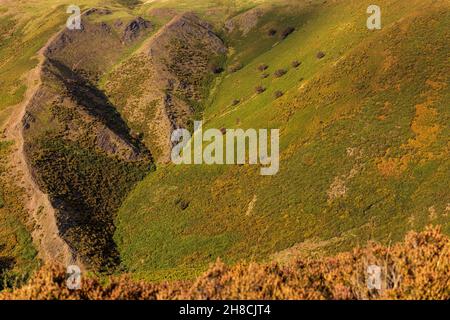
[362, 115]
[364, 143]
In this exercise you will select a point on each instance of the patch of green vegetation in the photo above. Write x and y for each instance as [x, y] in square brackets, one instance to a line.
[91, 185]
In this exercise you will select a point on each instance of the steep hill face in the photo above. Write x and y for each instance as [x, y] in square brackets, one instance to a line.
[363, 117]
[364, 142]
[79, 149]
[163, 86]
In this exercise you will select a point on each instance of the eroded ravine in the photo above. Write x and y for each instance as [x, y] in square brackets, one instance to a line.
[78, 155]
[79, 149]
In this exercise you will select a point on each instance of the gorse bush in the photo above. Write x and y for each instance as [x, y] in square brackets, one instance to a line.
[320, 55]
[263, 67]
[280, 72]
[418, 268]
[296, 63]
[278, 94]
[286, 32]
[260, 89]
[235, 67]
[272, 32]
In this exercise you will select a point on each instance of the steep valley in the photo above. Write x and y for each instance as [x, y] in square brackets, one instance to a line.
[363, 118]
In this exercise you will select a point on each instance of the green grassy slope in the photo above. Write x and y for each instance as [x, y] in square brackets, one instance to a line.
[364, 143]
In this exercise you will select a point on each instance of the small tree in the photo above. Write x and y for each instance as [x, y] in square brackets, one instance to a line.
[286, 32]
[280, 72]
[296, 63]
[272, 32]
[263, 67]
[260, 89]
[217, 69]
[320, 55]
[236, 67]
[278, 94]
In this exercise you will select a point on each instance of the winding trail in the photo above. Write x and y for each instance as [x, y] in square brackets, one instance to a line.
[51, 247]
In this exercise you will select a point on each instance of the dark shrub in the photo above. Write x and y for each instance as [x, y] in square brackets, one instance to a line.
[263, 67]
[296, 63]
[286, 32]
[264, 75]
[236, 67]
[260, 89]
[182, 204]
[217, 69]
[278, 94]
[280, 72]
[320, 55]
[235, 102]
[272, 32]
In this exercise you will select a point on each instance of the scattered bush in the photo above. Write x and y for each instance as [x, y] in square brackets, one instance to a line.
[278, 94]
[260, 89]
[296, 63]
[217, 69]
[280, 72]
[235, 102]
[286, 32]
[264, 75]
[263, 67]
[236, 67]
[68, 171]
[320, 55]
[272, 32]
[182, 204]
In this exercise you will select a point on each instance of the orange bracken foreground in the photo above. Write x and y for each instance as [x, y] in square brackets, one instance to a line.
[418, 268]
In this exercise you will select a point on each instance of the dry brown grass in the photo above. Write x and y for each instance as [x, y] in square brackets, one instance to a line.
[418, 268]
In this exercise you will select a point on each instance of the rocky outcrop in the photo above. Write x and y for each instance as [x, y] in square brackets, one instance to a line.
[97, 46]
[135, 28]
